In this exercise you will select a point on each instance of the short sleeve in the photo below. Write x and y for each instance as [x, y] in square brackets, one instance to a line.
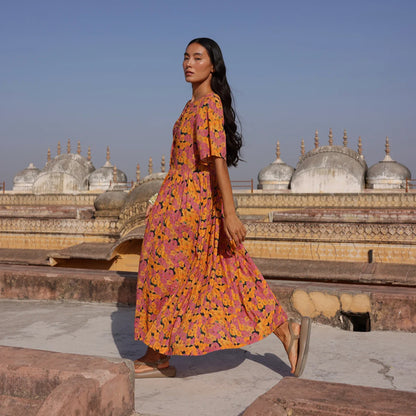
[210, 134]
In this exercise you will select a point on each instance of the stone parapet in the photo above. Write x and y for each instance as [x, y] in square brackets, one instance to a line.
[55, 233]
[43, 383]
[265, 202]
[297, 397]
[80, 199]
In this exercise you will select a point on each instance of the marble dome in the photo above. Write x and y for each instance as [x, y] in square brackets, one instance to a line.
[66, 173]
[330, 169]
[276, 175]
[103, 178]
[387, 174]
[24, 180]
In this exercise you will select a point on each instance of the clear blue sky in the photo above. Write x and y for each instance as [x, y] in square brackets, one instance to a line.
[109, 73]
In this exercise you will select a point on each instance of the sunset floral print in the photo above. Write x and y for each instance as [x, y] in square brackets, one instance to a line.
[194, 293]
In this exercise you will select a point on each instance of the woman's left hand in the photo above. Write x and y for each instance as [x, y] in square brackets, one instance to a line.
[234, 229]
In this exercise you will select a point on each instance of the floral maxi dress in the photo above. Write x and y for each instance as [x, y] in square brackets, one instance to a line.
[194, 294]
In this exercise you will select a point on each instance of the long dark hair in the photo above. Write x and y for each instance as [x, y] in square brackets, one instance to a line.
[219, 85]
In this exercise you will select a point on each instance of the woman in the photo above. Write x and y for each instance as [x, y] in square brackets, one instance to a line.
[198, 290]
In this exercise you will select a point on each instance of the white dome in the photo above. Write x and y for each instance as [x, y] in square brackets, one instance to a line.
[330, 169]
[65, 173]
[387, 174]
[103, 178]
[24, 180]
[275, 176]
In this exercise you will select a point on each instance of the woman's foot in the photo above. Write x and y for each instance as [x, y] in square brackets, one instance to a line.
[291, 343]
[295, 339]
[150, 361]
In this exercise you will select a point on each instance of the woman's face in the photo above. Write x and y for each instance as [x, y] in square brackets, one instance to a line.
[197, 64]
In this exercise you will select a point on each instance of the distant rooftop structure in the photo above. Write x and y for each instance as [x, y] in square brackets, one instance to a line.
[324, 169]
[387, 174]
[275, 176]
[333, 169]
[107, 176]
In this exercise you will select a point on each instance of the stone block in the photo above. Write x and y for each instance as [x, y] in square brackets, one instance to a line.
[56, 384]
[298, 397]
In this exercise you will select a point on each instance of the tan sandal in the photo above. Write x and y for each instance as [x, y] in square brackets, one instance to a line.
[303, 345]
[154, 371]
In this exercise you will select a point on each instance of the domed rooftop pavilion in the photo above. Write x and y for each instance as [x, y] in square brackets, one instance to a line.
[387, 174]
[24, 180]
[275, 176]
[106, 176]
[330, 169]
[66, 173]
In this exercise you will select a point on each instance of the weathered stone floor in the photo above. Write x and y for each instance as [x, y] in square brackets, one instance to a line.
[222, 383]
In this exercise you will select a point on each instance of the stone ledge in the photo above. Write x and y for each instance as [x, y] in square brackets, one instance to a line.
[57, 283]
[388, 307]
[297, 397]
[337, 271]
[42, 383]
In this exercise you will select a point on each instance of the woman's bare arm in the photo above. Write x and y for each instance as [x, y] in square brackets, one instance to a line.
[234, 228]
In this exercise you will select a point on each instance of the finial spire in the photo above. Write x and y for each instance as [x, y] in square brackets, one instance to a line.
[79, 147]
[331, 138]
[108, 154]
[58, 151]
[316, 139]
[345, 138]
[89, 154]
[302, 148]
[387, 147]
[138, 173]
[68, 146]
[49, 155]
[360, 146]
[163, 164]
[150, 165]
[278, 150]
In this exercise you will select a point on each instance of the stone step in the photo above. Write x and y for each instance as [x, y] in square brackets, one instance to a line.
[299, 397]
[50, 384]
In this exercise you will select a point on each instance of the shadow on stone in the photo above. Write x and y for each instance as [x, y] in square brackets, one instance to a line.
[122, 327]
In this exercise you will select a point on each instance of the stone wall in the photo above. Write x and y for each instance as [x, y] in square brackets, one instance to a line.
[369, 226]
[379, 227]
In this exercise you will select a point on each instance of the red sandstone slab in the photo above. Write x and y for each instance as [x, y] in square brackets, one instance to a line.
[298, 397]
[19, 406]
[336, 271]
[64, 383]
[47, 283]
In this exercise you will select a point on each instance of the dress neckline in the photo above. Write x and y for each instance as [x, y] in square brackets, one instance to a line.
[200, 98]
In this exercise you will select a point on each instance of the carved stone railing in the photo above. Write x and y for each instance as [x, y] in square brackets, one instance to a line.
[287, 200]
[333, 232]
[61, 226]
[48, 199]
